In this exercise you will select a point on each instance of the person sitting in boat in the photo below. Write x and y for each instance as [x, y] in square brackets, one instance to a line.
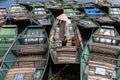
[74, 41]
[63, 25]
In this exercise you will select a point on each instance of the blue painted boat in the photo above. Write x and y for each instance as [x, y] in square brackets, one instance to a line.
[97, 14]
[93, 12]
[28, 57]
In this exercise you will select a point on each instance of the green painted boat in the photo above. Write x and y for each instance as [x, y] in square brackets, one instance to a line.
[114, 13]
[70, 11]
[3, 16]
[42, 16]
[19, 13]
[85, 22]
[69, 54]
[8, 34]
[100, 58]
[28, 57]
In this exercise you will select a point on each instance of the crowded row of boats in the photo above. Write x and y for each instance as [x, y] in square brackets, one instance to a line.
[25, 56]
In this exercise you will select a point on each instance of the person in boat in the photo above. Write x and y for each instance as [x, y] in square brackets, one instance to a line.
[63, 24]
[74, 41]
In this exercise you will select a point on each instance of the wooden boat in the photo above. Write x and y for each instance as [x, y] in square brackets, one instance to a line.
[69, 2]
[18, 13]
[100, 58]
[83, 5]
[8, 34]
[98, 15]
[103, 3]
[54, 5]
[114, 13]
[68, 54]
[58, 4]
[85, 22]
[3, 16]
[28, 57]
[42, 16]
[31, 3]
[70, 11]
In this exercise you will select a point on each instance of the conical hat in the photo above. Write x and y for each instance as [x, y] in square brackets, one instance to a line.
[62, 17]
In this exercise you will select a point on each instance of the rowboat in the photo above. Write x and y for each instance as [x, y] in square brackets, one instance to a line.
[28, 57]
[114, 12]
[103, 3]
[100, 58]
[70, 11]
[69, 2]
[3, 16]
[8, 34]
[57, 5]
[85, 22]
[42, 16]
[98, 15]
[18, 13]
[68, 54]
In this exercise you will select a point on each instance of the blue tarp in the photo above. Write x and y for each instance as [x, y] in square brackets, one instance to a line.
[93, 11]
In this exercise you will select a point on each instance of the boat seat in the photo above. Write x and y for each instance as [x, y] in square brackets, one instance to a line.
[67, 49]
[32, 36]
[103, 62]
[34, 46]
[34, 50]
[104, 48]
[30, 61]
[27, 73]
[107, 37]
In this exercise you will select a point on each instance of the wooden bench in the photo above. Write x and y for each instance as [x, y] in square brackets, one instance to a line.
[106, 37]
[34, 46]
[104, 48]
[32, 36]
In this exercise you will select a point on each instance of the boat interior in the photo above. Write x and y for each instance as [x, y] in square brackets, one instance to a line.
[42, 15]
[98, 15]
[29, 56]
[114, 12]
[18, 12]
[3, 15]
[65, 54]
[104, 55]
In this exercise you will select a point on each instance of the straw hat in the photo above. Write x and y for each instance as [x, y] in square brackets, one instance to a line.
[62, 17]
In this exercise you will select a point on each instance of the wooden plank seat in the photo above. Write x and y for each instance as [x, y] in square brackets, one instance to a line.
[103, 61]
[40, 16]
[32, 46]
[32, 36]
[28, 73]
[104, 48]
[102, 58]
[29, 61]
[67, 54]
[66, 49]
[34, 50]
[106, 37]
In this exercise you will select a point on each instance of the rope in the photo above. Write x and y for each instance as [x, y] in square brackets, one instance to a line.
[59, 72]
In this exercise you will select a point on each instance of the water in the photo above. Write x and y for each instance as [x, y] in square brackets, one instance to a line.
[7, 3]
